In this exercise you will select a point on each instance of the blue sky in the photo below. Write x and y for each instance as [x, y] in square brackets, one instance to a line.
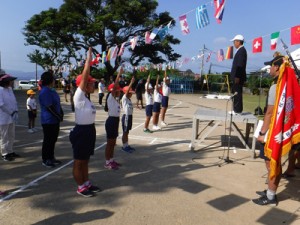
[250, 18]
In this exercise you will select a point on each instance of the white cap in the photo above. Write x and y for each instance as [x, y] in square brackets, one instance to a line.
[166, 78]
[238, 37]
[149, 87]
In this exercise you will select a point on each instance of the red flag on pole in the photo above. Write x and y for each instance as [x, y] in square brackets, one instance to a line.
[284, 130]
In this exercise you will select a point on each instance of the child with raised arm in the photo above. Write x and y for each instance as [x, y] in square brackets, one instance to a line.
[83, 135]
[156, 105]
[112, 106]
[166, 90]
[127, 116]
[149, 104]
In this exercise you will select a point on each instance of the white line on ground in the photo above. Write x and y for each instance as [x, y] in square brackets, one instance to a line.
[32, 183]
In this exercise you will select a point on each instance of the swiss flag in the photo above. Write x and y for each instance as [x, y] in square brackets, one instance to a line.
[257, 45]
[295, 35]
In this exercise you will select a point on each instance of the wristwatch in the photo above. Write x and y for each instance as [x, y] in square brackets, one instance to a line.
[261, 134]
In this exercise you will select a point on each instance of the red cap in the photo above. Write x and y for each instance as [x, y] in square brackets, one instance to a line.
[111, 87]
[79, 78]
[126, 88]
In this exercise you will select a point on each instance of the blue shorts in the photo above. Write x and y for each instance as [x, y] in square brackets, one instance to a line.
[149, 109]
[112, 127]
[126, 123]
[83, 139]
[156, 107]
[165, 101]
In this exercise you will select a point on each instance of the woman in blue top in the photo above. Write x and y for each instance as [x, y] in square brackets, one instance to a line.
[51, 116]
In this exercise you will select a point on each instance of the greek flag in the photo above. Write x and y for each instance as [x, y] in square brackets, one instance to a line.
[202, 19]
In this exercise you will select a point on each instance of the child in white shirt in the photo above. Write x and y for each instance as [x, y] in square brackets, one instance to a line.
[127, 116]
[149, 104]
[32, 111]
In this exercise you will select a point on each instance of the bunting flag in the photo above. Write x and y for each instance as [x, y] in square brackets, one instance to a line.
[184, 25]
[162, 33]
[284, 129]
[274, 40]
[257, 45]
[108, 54]
[229, 53]
[115, 52]
[208, 57]
[95, 60]
[186, 60]
[220, 55]
[200, 56]
[219, 9]
[154, 33]
[122, 49]
[103, 57]
[133, 42]
[148, 40]
[295, 35]
[202, 18]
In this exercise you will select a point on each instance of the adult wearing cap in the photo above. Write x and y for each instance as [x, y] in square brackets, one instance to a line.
[112, 106]
[238, 73]
[166, 90]
[8, 117]
[51, 116]
[83, 135]
[268, 197]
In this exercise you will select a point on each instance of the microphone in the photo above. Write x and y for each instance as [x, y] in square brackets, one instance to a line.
[234, 94]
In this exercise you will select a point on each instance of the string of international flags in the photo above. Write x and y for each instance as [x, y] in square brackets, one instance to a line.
[202, 20]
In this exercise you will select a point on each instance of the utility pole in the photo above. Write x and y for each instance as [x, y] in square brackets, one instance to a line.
[202, 62]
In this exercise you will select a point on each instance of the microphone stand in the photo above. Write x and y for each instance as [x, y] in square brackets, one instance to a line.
[227, 160]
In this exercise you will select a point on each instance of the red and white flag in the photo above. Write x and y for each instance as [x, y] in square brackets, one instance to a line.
[148, 40]
[115, 52]
[133, 42]
[257, 45]
[184, 25]
[219, 9]
[122, 49]
[208, 57]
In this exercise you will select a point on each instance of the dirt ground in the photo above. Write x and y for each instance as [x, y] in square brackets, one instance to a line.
[163, 182]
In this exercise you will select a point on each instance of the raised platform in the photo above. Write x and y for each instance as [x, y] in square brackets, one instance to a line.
[216, 117]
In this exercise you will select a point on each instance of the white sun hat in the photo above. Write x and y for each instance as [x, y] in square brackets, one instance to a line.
[238, 37]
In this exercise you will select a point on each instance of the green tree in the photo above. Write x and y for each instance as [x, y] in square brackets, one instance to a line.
[67, 32]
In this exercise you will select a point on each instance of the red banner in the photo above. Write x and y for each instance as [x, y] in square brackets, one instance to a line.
[284, 130]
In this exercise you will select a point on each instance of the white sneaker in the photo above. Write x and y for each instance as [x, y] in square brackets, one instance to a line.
[30, 131]
[156, 127]
[234, 113]
[163, 124]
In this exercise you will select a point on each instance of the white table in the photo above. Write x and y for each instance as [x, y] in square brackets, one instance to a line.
[216, 116]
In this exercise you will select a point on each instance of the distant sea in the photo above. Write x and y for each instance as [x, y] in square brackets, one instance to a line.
[24, 75]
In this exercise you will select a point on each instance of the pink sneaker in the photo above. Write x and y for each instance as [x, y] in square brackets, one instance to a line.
[2, 193]
[111, 166]
[116, 163]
